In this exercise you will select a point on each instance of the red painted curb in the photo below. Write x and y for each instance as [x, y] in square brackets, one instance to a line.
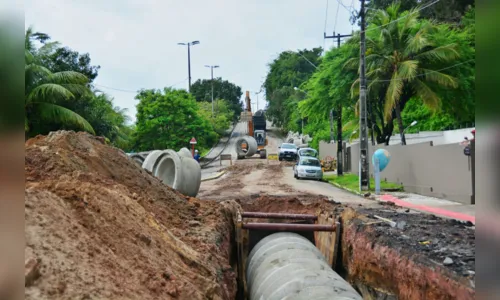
[434, 210]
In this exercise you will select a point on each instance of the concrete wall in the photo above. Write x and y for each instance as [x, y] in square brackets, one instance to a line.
[441, 171]
[326, 149]
[437, 137]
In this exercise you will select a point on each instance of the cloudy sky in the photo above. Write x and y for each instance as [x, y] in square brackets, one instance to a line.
[135, 41]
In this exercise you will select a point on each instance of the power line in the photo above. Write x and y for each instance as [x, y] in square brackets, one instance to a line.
[326, 21]
[130, 91]
[406, 16]
[424, 74]
[349, 9]
[336, 18]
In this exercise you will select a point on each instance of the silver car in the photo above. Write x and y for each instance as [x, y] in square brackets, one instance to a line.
[308, 167]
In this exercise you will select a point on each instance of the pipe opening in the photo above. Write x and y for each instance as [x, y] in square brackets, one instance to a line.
[166, 171]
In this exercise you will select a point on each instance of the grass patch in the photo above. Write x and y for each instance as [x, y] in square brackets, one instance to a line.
[351, 181]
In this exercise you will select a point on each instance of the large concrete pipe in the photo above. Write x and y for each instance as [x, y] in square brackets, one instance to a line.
[137, 158]
[179, 170]
[286, 265]
[150, 160]
[251, 146]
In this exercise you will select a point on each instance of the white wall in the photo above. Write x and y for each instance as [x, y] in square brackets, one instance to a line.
[437, 137]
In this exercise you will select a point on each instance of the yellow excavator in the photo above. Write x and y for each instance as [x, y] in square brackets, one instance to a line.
[256, 126]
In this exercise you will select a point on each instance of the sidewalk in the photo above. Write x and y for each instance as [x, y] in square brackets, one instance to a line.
[440, 207]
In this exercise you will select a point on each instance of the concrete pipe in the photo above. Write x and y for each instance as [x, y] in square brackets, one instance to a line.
[179, 170]
[150, 160]
[137, 158]
[286, 265]
[251, 146]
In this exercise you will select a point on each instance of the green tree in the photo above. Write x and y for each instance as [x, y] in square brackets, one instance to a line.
[168, 119]
[223, 89]
[443, 11]
[289, 70]
[65, 59]
[44, 90]
[404, 60]
[222, 119]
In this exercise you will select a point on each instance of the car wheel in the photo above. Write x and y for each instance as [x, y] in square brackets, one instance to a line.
[280, 159]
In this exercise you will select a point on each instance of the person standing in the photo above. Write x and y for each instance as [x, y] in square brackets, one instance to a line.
[196, 156]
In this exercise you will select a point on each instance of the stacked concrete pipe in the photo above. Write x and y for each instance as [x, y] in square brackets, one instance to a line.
[286, 265]
[178, 170]
[251, 146]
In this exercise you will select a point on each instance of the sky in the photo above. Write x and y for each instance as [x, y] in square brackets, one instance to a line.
[135, 41]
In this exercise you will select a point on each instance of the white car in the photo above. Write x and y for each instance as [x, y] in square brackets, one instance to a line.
[308, 167]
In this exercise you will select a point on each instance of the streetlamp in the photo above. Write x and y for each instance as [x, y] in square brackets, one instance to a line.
[189, 44]
[212, 72]
[411, 125]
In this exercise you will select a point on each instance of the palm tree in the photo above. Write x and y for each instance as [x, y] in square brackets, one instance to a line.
[403, 59]
[45, 91]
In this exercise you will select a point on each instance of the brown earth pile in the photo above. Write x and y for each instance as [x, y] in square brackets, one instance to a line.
[97, 226]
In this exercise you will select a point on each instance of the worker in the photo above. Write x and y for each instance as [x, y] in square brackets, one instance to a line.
[196, 156]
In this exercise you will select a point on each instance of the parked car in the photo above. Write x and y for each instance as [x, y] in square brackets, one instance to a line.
[287, 151]
[308, 167]
[306, 152]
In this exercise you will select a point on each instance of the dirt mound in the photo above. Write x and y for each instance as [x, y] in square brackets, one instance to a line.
[99, 226]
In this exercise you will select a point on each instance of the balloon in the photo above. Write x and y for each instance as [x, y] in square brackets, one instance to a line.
[383, 158]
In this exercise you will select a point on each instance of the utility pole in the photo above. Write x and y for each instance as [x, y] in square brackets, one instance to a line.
[338, 37]
[364, 167]
[339, 113]
[189, 44]
[212, 73]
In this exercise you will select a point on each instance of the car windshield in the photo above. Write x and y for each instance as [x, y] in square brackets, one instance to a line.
[308, 152]
[309, 162]
[288, 146]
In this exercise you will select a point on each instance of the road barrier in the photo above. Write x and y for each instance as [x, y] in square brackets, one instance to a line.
[272, 156]
[226, 157]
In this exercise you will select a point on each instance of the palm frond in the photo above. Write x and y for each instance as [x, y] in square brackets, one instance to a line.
[408, 69]
[393, 94]
[54, 113]
[439, 78]
[48, 92]
[443, 53]
[425, 93]
[66, 77]
[77, 89]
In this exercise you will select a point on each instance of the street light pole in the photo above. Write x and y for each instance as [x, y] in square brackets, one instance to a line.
[189, 44]
[212, 74]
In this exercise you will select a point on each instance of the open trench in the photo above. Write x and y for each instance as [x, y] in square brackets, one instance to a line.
[381, 252]
[361, 251]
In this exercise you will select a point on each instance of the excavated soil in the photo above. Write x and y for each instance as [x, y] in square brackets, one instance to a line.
[297, 204]
[421, 257]
[97, 226]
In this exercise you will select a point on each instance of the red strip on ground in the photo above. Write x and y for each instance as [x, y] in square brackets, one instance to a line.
[434, 210]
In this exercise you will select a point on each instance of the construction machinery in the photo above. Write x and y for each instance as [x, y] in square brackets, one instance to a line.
[256, 125]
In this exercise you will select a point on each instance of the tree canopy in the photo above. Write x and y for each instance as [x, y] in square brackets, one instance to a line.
[168, 119]
[223, 89]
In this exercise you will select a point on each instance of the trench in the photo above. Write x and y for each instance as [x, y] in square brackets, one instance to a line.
[373, 268]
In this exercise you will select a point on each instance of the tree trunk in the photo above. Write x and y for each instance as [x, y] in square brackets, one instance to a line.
[400, 123]
[339, 141]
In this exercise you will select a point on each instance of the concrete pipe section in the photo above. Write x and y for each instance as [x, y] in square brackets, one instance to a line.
[251, 146]
[179, 171]
[151, 160]
[137, 158]
[286, 265]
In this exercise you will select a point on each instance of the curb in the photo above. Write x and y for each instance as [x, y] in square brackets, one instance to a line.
[422, 208]
[218, 175]
[345, 189]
